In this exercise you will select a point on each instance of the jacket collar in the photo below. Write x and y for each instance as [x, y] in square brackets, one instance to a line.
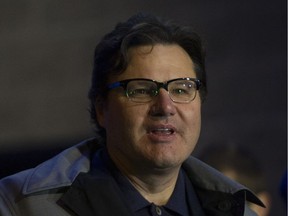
[90, 195]
[219, 195]
[205, 177]
[62, 170]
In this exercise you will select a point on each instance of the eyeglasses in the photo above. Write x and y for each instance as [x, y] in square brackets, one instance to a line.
[180, 90]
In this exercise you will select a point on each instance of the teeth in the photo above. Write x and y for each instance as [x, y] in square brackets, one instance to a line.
[163, 130]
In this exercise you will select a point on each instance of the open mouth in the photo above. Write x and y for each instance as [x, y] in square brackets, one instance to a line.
[163, 131]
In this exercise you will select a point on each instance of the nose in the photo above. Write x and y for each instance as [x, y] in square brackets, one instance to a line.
[162, 105]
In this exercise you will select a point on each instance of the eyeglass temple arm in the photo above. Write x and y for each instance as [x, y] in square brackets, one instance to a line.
[114, 85]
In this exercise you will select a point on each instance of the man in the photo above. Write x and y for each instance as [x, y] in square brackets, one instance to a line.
[147, 88]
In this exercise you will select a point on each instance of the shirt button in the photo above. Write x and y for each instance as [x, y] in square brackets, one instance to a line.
[158, 210]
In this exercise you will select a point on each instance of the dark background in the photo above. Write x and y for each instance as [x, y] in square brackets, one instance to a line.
[46, 51]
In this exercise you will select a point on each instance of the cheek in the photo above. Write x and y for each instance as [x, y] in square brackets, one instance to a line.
[193, 111]
[123, 116]
[197, 117]
[193, 120]
[133, 116]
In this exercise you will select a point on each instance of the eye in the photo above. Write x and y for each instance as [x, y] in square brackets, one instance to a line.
[180, 88]
[141, 89]
[179, 91]
[139, 92]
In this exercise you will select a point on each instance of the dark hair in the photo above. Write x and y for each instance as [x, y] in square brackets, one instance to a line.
[110, 55]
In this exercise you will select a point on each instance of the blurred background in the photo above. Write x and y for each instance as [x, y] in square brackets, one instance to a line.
[46, 53]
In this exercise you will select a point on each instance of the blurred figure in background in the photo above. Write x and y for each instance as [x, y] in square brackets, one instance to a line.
[239, 164]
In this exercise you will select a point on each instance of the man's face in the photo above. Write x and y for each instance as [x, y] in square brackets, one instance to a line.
[159, 134]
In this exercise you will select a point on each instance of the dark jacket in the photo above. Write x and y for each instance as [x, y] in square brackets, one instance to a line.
[47, 190]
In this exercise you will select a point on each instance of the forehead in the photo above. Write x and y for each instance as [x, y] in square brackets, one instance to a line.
[159, 62]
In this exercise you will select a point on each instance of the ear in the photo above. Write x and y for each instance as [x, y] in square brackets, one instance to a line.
[100, 113]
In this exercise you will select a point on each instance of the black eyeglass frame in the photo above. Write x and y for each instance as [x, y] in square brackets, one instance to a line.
[124, 83]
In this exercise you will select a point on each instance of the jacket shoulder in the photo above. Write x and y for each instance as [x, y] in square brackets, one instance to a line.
[20, 193]
[58, 172]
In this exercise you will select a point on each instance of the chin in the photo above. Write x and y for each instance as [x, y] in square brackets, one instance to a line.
[163, 164]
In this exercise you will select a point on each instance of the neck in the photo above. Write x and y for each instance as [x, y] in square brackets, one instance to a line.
[155, 185]
[155, 189]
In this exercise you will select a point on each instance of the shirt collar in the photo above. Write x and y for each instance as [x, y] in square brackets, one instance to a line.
[177, 202]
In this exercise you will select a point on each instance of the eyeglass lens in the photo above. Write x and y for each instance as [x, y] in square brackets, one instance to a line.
[144, 90]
